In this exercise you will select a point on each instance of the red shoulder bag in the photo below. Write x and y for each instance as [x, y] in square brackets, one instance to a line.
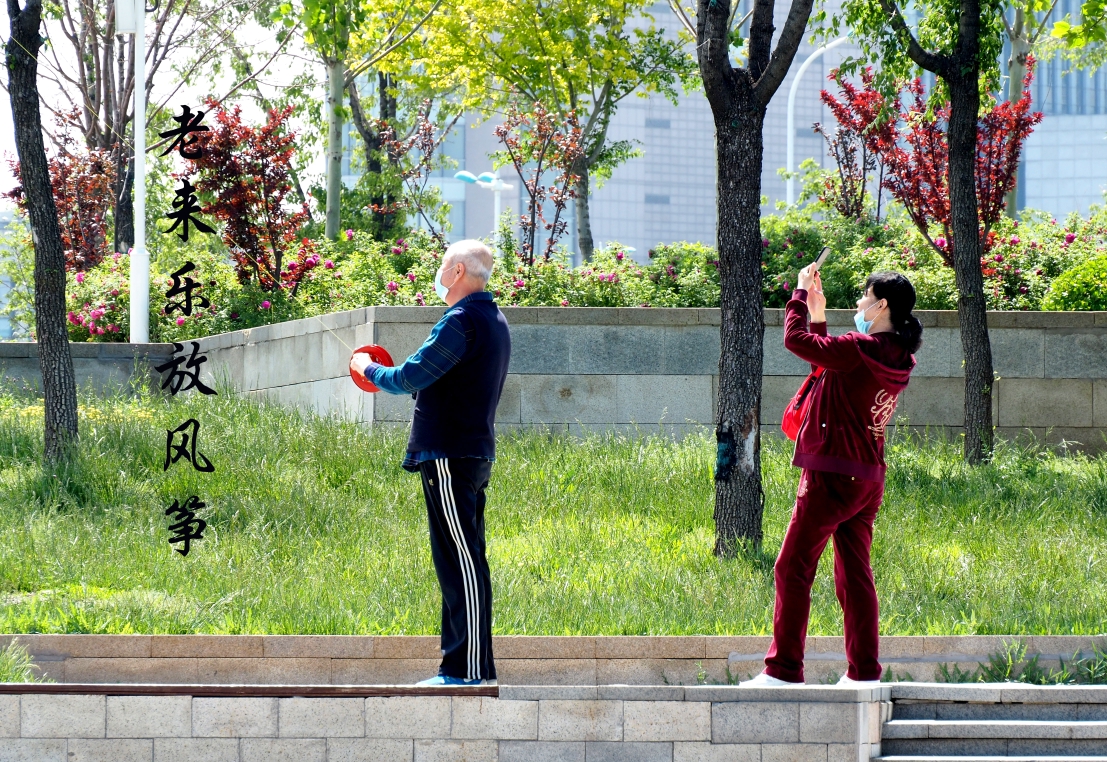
[797, 409]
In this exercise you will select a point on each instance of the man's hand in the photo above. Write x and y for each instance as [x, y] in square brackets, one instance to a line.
[360, 361]
[816, 300]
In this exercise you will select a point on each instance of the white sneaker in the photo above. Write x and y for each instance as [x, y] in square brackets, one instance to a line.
[766, 681]
[858, 683]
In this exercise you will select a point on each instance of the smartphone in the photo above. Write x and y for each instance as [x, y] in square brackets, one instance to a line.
[822, 257]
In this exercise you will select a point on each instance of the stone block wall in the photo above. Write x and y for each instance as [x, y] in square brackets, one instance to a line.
[99, 367]
[524, 724]
[625, 368]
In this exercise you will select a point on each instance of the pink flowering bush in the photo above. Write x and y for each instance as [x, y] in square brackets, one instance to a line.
[98, 301]
[1023, 262]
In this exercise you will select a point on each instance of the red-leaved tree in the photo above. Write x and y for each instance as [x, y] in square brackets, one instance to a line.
[413, 160]
[857, 143]
[537, 142]
[82, 181]
[916, 155]
[244, 177]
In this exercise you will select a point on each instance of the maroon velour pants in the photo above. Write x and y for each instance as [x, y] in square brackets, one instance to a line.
[828, 504]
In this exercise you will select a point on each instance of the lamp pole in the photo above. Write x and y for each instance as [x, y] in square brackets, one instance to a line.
[130, 18]
[791, 196]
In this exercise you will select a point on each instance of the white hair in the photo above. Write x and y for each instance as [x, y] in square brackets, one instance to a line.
[476, 256]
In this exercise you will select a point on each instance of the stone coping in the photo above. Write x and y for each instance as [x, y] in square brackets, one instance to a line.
[1000, 693]
[895, 648]
[90, 350]
[624, 316]
[246, 690]
[820, 694]
[615, 316]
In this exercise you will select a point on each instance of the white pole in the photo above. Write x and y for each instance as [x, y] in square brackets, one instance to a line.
[140, 258]
[496, 207]
[792, 113]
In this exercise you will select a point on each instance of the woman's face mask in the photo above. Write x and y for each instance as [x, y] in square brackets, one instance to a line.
[859, 320]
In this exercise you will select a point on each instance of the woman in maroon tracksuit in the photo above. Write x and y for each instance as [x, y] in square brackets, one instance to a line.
[840, 448]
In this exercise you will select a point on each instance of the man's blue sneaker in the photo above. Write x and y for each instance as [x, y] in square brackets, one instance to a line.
[441, 680]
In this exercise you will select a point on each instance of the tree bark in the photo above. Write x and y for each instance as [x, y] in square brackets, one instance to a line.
[336, 71]
[55, 360]
[739, 98]
[739, 500]
[124, 213]
[971, 307]
[370, 136]
[1016, 70]
[584, 216]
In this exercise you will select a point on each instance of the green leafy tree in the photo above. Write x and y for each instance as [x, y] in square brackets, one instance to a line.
[351, 37]
[960, 41]
[580, 56]
[1026, 30]
[327, 25]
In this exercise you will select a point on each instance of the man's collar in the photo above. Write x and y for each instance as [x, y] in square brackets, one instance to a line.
[476, 296]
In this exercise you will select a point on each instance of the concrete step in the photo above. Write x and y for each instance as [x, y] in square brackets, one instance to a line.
[1042, 709]
[1014, 742]
[994, 729]
[933, 758]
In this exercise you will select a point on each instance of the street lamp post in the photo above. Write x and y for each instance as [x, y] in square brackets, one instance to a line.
[792, 114]
[131, 19]
[492, 182]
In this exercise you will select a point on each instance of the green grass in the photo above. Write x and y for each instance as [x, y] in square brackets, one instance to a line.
[314, 528]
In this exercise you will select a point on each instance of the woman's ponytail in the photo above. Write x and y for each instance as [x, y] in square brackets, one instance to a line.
[895, 289]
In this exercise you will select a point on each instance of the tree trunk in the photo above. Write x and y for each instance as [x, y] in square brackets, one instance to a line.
[971, 307]
[374, 162]
[336, 71]
[739, 500]
[1016, 70]
[55, 360]
[584, 217]
[124, 202]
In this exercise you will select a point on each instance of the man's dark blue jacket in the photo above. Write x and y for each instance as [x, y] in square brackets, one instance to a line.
[457, 377]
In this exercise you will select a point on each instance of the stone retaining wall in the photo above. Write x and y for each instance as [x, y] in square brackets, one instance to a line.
[620, 368]
[101, 367]
[524, 724]
[625, 368]
[520, 660]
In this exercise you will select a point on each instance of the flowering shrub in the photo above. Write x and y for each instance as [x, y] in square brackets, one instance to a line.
[1022, 271]
[98, 301]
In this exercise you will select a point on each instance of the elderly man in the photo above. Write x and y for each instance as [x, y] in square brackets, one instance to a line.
[456, 378]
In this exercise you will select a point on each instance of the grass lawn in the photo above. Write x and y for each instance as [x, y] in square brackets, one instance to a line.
[314, 528]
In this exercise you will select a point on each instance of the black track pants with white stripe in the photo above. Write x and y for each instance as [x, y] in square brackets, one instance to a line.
[454, 490]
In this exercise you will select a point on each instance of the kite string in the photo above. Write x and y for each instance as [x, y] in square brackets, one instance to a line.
[260, 266]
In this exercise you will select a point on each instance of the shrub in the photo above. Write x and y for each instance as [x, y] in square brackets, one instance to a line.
[1023, 260]
[1083, 287]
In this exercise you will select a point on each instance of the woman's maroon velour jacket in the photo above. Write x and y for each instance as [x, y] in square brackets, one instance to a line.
[854, 399]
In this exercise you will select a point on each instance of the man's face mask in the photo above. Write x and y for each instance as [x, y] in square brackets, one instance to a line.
[440, 289]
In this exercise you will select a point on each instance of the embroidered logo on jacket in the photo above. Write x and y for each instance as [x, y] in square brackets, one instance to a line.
[882, 412]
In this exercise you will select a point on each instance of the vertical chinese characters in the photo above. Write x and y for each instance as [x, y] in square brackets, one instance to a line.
[182, 371]
[186, 205]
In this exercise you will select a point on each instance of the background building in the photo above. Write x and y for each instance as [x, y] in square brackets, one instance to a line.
[668, 193]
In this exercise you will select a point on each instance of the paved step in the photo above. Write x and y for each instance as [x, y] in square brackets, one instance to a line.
[970, 723]
[991, 729]
[973, 710]
[1039, 758]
